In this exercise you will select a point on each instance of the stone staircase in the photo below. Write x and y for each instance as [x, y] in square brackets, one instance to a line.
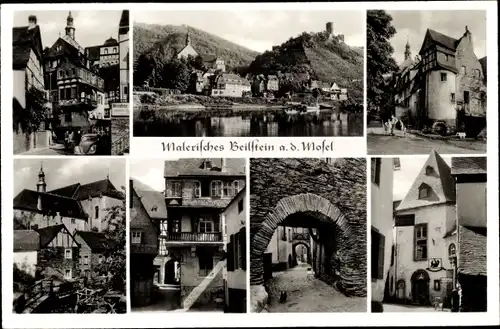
[196, 292]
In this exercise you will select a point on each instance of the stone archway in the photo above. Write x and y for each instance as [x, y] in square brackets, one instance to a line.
[300, 203]
[294, 251]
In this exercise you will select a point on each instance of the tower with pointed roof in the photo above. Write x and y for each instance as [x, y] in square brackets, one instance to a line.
[41, 186]
[188, 37]
[407, 50]
[70, 27]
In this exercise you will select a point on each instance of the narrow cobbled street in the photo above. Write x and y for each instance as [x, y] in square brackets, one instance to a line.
[308, 294]
[411, 308]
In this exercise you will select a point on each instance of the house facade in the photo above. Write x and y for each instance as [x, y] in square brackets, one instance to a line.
[382, 179]
[446, 83]
[230, 85]
[470, 176]
[92, 251]
[28, 76]
[425, 230]
[233, 218]
[123, 40]
[279, 252]
[196, 192]
[143, 244]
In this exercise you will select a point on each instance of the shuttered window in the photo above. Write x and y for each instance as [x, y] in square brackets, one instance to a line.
[375, 170]
[243, 244]
[230, 253]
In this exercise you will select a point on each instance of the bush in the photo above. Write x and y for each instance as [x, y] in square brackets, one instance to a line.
[149, 98]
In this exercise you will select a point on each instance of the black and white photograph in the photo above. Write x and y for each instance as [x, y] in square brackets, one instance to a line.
[428, 234]
[188, 235]
[69, 236]
[248, 73]
[71, 82]
[426, 82]
[308, 235]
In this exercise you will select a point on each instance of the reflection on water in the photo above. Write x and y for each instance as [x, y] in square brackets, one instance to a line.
[253, 125]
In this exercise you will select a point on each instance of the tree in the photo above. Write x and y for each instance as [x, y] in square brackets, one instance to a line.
[379, 58]
[36, 112]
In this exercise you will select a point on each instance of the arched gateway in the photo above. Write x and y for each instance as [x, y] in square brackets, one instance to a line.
[307, 204]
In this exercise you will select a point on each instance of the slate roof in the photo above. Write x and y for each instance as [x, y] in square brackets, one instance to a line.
[23, 40]
[443, 40]
[124, 22]
[153, 201]
[234, 78]
[468, 165]
[67, 207]
[95, 189]
[441, 183]
[193, 167]
[111, 42]
[47, 234]
[26, 240]
[95, 240]
[67, 191]
[472, 250]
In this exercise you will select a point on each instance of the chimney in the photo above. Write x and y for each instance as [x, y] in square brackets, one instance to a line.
[468, 34]
[223, 165]
[32, 22]
[39, 203]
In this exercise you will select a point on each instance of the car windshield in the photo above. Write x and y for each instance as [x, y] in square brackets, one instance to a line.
[89, 138]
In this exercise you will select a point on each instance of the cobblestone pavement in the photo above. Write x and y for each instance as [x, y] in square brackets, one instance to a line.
[383, 145]
[308, 294]
[411, 308]
[164, 300]
[53, 150]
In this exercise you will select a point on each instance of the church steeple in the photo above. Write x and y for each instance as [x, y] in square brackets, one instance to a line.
[41, 186]
[407, 50]
[70, 28]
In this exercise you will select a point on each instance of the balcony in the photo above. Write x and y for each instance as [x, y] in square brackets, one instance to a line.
[88, 102]
[192, 238]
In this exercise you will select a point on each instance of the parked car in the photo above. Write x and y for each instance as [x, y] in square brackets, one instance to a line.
[94, 144]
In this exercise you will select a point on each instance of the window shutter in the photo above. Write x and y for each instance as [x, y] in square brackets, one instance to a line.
[373, 165]
[243, 243]
[230, 254]
[381, 253]
[216, 220]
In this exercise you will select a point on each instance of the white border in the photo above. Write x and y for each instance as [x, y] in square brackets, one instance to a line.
[134, 320]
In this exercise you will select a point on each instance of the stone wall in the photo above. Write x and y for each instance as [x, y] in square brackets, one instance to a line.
[280, 187]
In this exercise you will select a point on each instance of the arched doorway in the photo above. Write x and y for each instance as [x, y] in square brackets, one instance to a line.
[307, 256]
[401, 290]
[311, 205]
[420, 287]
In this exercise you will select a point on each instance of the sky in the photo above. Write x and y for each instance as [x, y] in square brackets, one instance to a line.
[149, 172]
[412, 25]
[92, 28]
[410, 167]
[62, 172]
[260, 30]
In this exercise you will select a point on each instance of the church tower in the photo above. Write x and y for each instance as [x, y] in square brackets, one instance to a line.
[407, 50]
[70, 28]
[41, 186]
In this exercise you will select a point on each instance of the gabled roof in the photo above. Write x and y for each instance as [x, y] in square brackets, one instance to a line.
[26, 240]
[67, 191]
[472, 250]
[52, 203]
[95, 189]
[440, 181]
[433, 37]
[47, 234]
[23, 41]
[96, 241]
[468, 165]
[153, 201]
[193, 167]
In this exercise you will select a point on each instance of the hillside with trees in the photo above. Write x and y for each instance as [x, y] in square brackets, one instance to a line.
[316, 56]
[161, 43]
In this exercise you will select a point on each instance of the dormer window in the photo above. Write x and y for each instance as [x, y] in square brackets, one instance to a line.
[429, 170]
[423, 191]
[174, 189]
[207, 164]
